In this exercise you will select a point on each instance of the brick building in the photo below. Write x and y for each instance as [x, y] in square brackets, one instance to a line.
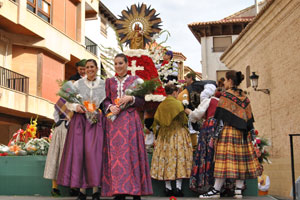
[269, 46]
[40, 42]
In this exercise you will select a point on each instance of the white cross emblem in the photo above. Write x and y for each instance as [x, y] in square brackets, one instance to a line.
[134, 68]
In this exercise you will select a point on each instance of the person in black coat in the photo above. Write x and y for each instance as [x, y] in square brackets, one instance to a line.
[80, 70]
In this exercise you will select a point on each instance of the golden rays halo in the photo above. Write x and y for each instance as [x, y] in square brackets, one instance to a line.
[145, 16]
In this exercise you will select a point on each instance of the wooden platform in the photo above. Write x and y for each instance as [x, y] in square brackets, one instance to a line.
[23, 175]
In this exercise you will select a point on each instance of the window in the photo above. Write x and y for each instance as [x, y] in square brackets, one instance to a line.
[220, 44]
[104, 27]
[248, 83]
[40, 7]
[31, 5]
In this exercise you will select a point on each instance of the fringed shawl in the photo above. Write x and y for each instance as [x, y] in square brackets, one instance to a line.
[235, 110]
[167, 111]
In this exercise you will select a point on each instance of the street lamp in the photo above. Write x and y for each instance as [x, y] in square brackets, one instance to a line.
[254, 83]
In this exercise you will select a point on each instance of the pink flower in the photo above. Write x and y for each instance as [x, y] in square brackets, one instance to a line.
[258, 141]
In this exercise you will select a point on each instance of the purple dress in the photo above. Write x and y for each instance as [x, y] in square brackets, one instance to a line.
[126, 168]
[81, 163]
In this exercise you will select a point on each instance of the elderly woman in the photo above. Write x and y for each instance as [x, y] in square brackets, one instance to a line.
[126, 171]
[81, 163]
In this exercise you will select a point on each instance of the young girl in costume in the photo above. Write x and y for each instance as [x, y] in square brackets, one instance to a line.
[173, 153]
[81, 163]
[126, 169]
[234, 152]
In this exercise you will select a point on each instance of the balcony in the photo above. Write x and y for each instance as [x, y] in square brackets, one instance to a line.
[14, 80]
[15, 99]
[91, 46]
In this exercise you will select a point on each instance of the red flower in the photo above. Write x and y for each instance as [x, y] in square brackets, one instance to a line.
[258, 141]
[173, 198]
[149, 71]
[256, 132]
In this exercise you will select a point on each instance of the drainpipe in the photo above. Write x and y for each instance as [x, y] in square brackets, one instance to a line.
[256, 6]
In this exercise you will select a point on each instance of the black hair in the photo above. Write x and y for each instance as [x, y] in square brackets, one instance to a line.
[121, 55]
[237, 78]
[170, 88]
[93, 61]
[191, 75]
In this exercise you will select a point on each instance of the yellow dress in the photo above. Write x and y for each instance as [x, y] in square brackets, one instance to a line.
[173, 152]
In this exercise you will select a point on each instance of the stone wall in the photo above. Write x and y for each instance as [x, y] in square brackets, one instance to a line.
[271, 48]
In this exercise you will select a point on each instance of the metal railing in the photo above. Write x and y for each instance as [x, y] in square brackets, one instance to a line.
[91, 46]
[293, 164]
[14, 80]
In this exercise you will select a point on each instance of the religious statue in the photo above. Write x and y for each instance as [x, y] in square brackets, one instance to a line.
[137, 25]
[137, 41]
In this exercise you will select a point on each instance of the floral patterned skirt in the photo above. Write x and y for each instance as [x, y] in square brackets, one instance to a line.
[202, 177]
[173, 154]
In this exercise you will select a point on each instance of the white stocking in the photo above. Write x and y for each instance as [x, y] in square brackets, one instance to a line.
[178, 183]
[168, 185]
[219, 183]
[239, 184]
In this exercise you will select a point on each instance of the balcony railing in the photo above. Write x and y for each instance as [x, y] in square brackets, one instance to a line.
[91, 46]
[14, 80]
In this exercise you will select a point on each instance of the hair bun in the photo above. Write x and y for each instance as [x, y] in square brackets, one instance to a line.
[239, 77]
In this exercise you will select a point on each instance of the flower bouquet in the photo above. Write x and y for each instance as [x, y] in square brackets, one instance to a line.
[21, 137]
[139, 88]
[260, 148]
[37, 146]
[71, 95]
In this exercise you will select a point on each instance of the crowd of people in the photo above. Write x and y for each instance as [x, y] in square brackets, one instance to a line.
[111, 155]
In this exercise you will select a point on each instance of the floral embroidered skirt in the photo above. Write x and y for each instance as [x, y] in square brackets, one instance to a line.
[202, 177]
[173, 154]
[234, 156]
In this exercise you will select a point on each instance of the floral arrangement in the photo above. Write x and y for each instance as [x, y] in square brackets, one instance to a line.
[37, 146]
[260, 147]
[25, 136]
[140, 57]
[25, 142]
[165, 70]
[71, 95]
[138, 88]
[157, 50]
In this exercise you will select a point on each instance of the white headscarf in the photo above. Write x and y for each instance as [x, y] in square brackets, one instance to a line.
[209, 90]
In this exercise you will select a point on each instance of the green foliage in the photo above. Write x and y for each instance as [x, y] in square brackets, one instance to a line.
[147, 87]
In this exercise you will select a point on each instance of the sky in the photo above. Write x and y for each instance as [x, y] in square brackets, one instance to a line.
[177, 14]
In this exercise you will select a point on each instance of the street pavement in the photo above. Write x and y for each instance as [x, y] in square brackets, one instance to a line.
[107, 198]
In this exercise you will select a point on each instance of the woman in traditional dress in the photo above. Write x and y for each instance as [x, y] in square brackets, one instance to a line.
[234, 152]
[173, 153]
[202, 178]
[62, 117]
[126, 168]
[81, 163]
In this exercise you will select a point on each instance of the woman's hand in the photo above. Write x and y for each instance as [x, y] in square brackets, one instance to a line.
[80, 109]
[125, 100]
[115, 109]
[187, 111]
